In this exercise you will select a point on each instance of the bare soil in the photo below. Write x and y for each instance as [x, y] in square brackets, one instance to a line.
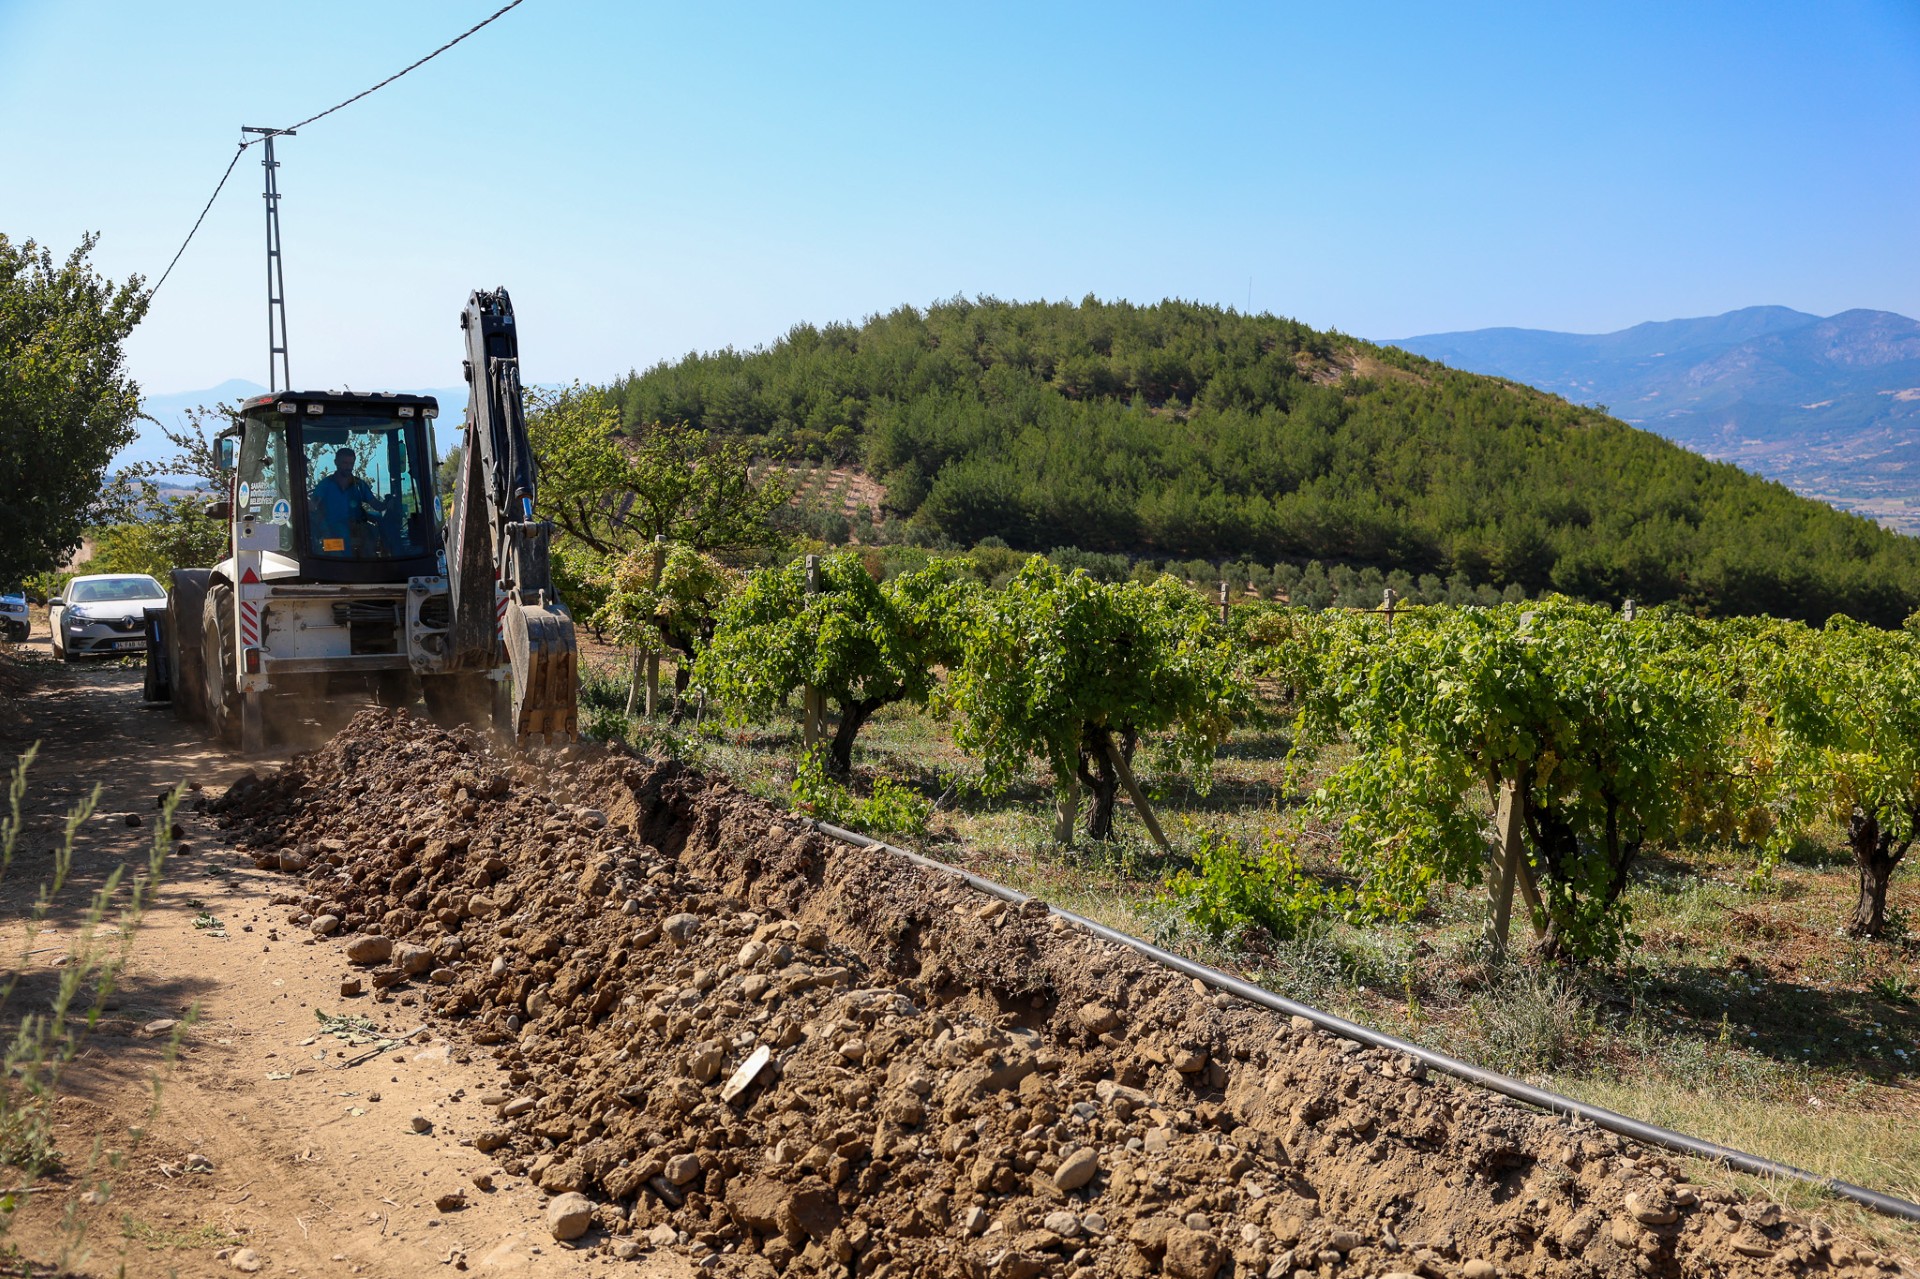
[767, 1053]
[593, 949]
[314, 1164]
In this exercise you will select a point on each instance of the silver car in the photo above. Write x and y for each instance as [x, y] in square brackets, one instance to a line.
[103, 613]
[15, 623]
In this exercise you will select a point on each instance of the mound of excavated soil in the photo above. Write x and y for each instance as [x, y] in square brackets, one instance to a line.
[773, 1054]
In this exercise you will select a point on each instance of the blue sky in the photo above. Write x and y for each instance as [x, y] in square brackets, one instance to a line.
[649, 179]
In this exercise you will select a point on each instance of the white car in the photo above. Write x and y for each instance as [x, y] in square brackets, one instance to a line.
[103, 613]
[15, 622]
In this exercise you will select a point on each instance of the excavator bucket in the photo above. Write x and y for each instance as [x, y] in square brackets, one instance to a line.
[499, 552]
[545, 659]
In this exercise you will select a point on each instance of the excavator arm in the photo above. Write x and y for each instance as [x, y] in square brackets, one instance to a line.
[499, 574]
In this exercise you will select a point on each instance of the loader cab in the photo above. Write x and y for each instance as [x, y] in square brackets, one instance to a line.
[337, 486]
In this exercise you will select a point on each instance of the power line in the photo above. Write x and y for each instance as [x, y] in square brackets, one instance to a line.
[197, 221]
[512, 4]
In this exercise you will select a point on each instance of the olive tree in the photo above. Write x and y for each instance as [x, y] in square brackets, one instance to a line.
[861, 643]
[1070, 671]
[612, 492]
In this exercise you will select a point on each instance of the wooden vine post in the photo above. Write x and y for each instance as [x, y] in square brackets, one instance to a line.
[812, 715]
[1502, 865]
[1225, 607]
[1507, 869]
[653, 659]
[1066, 809]
[1138, 797]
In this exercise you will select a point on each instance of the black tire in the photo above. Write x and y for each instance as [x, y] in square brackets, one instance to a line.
[184, 604]
[217, 665]
[395, 690]
[464, 698]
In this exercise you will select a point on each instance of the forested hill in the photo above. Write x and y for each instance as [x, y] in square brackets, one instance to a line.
[1185, 430]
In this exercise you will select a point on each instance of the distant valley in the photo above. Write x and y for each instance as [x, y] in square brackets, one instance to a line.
[1828, 406]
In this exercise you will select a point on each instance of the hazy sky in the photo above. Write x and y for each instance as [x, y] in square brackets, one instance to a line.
[649, 179]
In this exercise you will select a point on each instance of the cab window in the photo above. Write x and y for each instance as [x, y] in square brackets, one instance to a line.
[364, 500]
[265, 493]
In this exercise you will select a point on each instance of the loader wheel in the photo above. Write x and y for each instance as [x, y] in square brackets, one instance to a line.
[218, 666]
[394, 689]
[184, 604]
[466, 698]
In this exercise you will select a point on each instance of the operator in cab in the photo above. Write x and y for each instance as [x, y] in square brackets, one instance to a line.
[338, 503]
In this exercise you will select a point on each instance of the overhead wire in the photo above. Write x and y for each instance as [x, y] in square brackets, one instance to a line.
[218, 186]
[513, 4]
[197, 221]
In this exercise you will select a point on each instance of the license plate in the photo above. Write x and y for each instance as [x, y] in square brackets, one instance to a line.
[130, 644]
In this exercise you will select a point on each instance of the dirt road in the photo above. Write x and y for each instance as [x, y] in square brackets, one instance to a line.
[311, 1164]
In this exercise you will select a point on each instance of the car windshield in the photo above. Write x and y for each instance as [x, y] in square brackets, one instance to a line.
[112, 590]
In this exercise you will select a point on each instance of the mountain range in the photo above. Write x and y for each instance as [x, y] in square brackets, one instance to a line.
[1829, 406]
[171, 410]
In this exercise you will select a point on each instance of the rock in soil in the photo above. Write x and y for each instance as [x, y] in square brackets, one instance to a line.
[944, 1086]
[569, 1216]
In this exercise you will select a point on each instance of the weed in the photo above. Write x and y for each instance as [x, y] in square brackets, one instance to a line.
[1310, 967]
[890, 808]
[1892, 987]
[1233, 888]
[206, 919]
[44, 1043]
[1532, 1020]
[159, 1238]
[1126, 856]
[350, 1027]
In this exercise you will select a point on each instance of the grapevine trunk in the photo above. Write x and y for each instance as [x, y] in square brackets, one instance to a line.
[1876, 854]
[1099, 776]
[853, 717]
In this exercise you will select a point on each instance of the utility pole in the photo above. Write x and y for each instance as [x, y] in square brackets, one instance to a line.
[276, 273]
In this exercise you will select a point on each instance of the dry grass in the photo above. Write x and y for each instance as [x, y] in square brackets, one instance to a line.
[1848, 1144]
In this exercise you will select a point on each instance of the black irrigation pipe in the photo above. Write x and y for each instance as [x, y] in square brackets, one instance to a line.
[1650, 1134]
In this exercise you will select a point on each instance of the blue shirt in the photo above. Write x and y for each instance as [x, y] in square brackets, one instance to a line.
[334, 509]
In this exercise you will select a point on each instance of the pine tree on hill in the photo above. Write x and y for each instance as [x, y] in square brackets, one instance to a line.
[1186, 431]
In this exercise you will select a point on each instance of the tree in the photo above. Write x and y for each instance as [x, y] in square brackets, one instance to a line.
[163, 534]
[1612, 734]
[676, 606]
[66, 407]
[1183, 431]
[613, 492]
[1059, 667]
[1845, 703]
[862, 644]
[196, 444]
